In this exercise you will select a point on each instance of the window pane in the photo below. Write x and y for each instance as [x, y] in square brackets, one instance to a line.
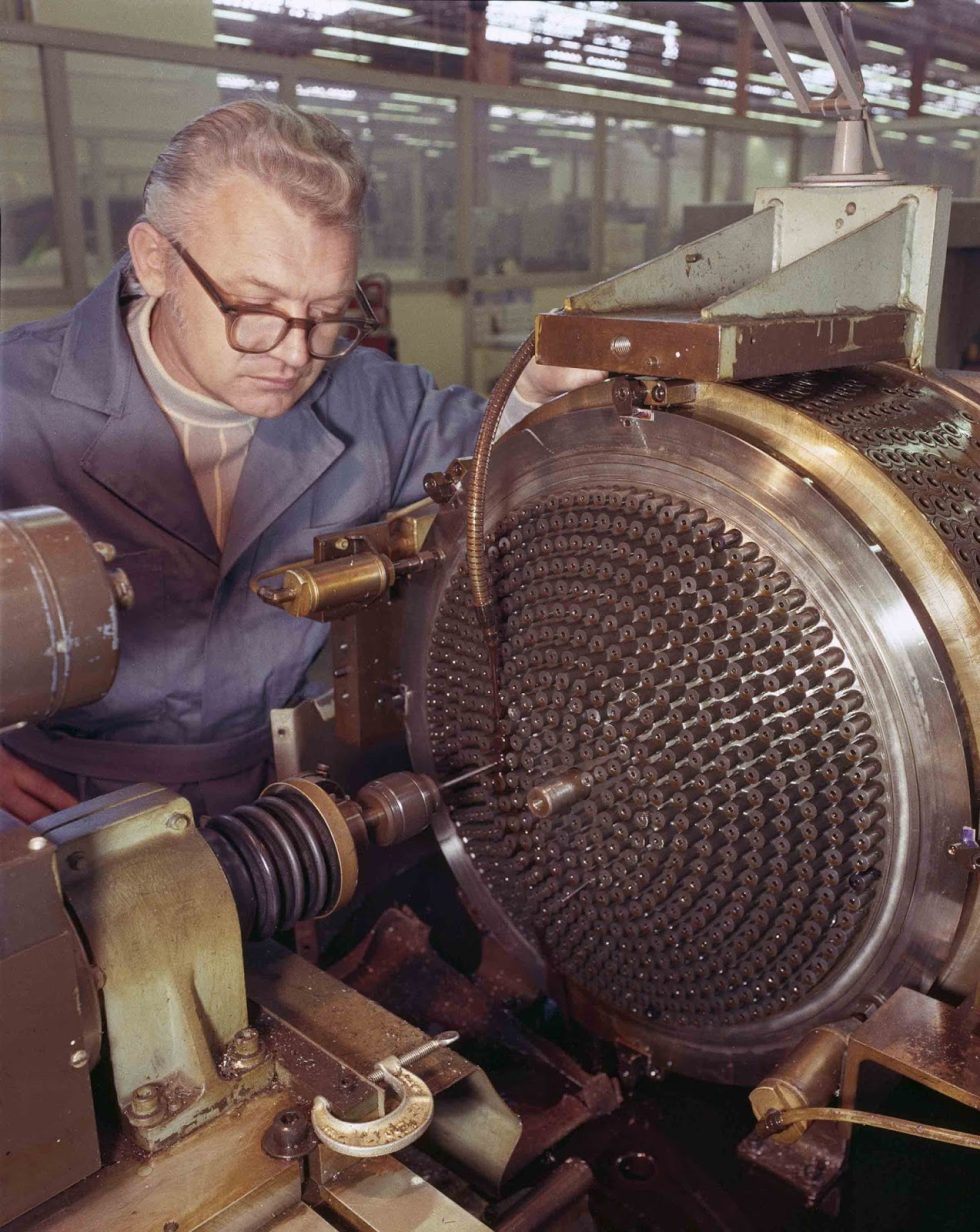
[408, 142]
[29, 251]
[653, 171]
[747, 161]
[123, 113]
[533, 189]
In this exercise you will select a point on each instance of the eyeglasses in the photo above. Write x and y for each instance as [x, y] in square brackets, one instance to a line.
[254, 331]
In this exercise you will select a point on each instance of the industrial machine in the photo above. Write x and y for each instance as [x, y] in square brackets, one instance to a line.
[688, 668]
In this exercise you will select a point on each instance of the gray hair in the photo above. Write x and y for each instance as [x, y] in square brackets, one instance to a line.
[305, 157]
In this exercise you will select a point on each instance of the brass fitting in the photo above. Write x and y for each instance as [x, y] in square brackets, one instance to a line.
[808, 1077]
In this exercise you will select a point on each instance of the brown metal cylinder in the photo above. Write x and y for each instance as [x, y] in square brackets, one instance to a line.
[328, 588]
[808, 1077]
[60, 642]
[398, 806]
[558, 795]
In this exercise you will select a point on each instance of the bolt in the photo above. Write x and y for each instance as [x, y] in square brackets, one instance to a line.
[122, 589]
[621, 345]
[146, 1101]
[341, 544]
[416, 1054]
[246, 1043]
[37, 843]
[75, 861]
[850, 207]
[106, 551]
[79, 1058]
[178, 822]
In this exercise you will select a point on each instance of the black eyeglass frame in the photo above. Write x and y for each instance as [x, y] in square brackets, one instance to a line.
[232, 312]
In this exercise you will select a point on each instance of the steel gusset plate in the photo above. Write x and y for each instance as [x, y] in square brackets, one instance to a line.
[777, 756]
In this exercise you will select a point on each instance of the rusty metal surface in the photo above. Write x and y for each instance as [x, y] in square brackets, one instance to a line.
[920, 1038]
[338, 1020]
[637, 632]
[685, 345]
[47, 1118]
[220, 1173]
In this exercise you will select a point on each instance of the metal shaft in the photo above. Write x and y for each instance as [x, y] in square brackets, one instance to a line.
[416, 1054]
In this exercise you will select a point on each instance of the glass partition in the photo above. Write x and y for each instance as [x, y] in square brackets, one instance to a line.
[123, 113]
[408, 141]
[29, 254]
[747, 161]
[652, 171]
[533, 171]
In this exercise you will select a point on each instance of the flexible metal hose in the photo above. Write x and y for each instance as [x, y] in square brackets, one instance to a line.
[781, 1118]
[476, 496]
[475, 509]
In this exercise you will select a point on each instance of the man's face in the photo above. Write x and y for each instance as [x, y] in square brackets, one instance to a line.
[259, 252]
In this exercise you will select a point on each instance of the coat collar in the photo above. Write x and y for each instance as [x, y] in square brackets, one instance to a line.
[138, 457]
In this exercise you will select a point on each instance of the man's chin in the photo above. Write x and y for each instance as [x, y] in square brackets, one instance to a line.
[266, 403]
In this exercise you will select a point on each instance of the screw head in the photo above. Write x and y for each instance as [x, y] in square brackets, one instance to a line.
[75, 861]
[37, 843]
[341, 544]
[178, 822]
[79, 1058]
[247, 1043]
[146, 1101]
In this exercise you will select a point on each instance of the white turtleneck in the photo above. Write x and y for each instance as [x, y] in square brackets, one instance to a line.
[214, 436]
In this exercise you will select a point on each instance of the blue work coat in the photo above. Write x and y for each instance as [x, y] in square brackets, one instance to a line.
[202, 659]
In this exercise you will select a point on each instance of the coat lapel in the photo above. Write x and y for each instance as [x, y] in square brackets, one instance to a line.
[286, 456]
[136, 455]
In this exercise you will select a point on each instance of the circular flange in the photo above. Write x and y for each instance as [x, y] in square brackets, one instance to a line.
[909, 920]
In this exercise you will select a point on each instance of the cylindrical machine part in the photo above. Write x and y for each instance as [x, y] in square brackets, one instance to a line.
[849, 147]
[567, 1184]
[757, 623]
[557, 795]
[807, 1078]
[327, 589]
[60, 641]
[398, 806]
[289, 856]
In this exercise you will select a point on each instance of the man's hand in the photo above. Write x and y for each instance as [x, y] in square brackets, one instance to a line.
[26, 793]
[539, 382]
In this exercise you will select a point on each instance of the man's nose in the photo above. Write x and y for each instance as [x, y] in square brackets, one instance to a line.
[293, 350]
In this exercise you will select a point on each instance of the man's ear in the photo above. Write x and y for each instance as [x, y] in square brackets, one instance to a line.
[151, 258]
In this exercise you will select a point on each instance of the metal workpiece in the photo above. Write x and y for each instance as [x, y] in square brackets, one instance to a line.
[557, 795]
[58, 594]
[771, 726]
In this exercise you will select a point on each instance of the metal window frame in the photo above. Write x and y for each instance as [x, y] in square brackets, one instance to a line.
[53, 43]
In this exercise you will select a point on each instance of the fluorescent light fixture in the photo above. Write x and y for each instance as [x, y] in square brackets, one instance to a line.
[961, 145]
[430, 99]
[716, 4]
[954, 65]
[389, 10]
[315, 90]
[894, 136]
[926, 140]
[391, 41]
[780, 119]
[233, 39]
[651, 99]
[614, 74]
[239, 81]
[890, 48]
[233, 15]
[326, 54]
[967, 132]
[720, 70]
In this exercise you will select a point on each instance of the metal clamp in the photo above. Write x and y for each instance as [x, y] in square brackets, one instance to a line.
[406, 1122]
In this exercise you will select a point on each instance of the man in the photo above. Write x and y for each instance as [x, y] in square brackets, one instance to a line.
[208, 428]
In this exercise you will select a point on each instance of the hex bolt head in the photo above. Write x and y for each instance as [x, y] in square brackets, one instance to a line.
[146, 1100]
[247, 1043]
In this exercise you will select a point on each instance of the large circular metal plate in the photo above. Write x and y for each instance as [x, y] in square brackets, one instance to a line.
[777, 759]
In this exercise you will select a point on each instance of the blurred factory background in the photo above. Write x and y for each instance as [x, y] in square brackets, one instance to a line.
[519, 149]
